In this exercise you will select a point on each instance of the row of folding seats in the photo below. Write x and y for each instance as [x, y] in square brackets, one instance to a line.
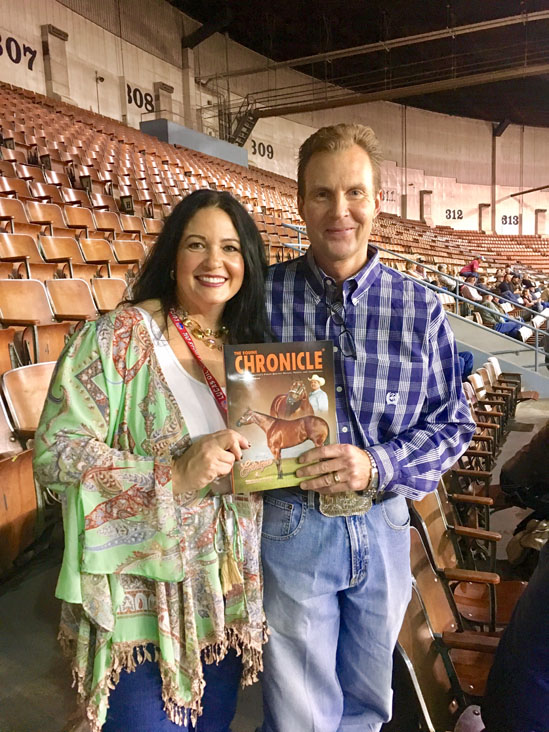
[33, 307]
[35, 218]
[64, 256]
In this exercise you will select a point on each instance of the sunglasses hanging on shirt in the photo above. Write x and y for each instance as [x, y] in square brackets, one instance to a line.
[337, 311]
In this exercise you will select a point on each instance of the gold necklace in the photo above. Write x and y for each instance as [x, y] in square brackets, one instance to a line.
[206, 335]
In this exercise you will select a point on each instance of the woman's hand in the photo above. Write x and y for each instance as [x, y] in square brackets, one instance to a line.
[207, 459]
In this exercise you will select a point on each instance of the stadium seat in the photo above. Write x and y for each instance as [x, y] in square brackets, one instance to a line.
[24, 302]
[50, 340]
[481, 598]
[106, 222]
[25, 390]
[108, 293]
[71, 299]
[128, 251]
[20, 248]
[20, 512]
[15, 188]
[50, 217]
[74, 197]
[46, 193]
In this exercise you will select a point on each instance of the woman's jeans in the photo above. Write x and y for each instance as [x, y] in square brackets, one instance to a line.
[336, 590]
[135, 704]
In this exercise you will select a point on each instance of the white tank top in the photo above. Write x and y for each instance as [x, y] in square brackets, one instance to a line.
[194, 398]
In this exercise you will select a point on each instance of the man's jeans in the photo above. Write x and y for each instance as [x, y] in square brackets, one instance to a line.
[336, 590]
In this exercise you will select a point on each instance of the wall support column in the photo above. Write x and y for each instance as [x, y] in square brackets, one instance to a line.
[54, 50]
[189, 89]
[163, 103]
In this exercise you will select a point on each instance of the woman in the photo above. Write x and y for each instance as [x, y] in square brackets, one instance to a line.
[160, 577]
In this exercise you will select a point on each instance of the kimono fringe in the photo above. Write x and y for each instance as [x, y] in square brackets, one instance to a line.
[127, 656]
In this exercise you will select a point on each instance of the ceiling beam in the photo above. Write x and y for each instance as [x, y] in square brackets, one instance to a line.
[530, 190]
[406, 91]
[382, 45]
[500, 128]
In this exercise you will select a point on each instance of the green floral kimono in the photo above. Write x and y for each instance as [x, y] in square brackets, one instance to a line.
[141, 567]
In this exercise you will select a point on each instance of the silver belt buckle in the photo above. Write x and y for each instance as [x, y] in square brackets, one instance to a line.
[349, 503]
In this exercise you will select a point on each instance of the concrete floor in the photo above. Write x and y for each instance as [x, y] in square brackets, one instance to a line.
[35, 693]
[35, 680]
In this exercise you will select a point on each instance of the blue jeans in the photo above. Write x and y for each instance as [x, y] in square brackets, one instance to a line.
[507, 328]
[335, 594]
[135, 704]
[465, 364]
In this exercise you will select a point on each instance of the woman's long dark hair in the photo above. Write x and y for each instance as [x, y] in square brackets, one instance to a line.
[244, 315]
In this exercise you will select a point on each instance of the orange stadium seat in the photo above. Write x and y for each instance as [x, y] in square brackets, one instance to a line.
[25, 390]
[71, 299]
[108, 293]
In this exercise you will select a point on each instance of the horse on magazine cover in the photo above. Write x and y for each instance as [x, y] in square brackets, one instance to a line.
[294, 404]
[283, 433]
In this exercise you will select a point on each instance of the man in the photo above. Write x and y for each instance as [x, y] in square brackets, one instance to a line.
[318, 399]
[506, 285]
[469, 291]
[336, 548]
[494, 317]
[448, 283]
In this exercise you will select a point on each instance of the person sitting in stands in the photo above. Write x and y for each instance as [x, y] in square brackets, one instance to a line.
[538, 303]
[506, 285]
[442, 279]
[420, 269]
[495, 317]
[469, 291]
[529, 301]
[473, 267]
[465, 364]
[481, 284]
[411, 270]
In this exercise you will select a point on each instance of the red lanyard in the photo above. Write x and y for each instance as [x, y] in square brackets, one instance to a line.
[212, 382]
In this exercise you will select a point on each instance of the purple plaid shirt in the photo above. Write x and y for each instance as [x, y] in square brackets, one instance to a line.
[402, 397]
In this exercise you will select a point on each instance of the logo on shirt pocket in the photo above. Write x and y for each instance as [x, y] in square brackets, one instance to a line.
[392, 397]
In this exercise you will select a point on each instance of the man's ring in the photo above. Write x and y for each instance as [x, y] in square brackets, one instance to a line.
[336, 477]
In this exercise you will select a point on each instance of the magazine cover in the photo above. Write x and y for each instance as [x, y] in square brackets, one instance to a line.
[281, 397]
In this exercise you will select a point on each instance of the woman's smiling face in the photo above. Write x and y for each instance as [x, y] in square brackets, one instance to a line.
[209, 264]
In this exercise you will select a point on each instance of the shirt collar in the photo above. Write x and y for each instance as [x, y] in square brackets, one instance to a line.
[354, 288]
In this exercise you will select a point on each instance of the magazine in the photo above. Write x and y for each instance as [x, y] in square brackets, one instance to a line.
[281, 397]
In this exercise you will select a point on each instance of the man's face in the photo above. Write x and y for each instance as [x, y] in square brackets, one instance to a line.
[338, 206]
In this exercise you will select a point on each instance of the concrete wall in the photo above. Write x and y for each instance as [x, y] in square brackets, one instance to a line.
[133, 44]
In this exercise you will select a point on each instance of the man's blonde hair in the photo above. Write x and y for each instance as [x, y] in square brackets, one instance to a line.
[336, 138]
